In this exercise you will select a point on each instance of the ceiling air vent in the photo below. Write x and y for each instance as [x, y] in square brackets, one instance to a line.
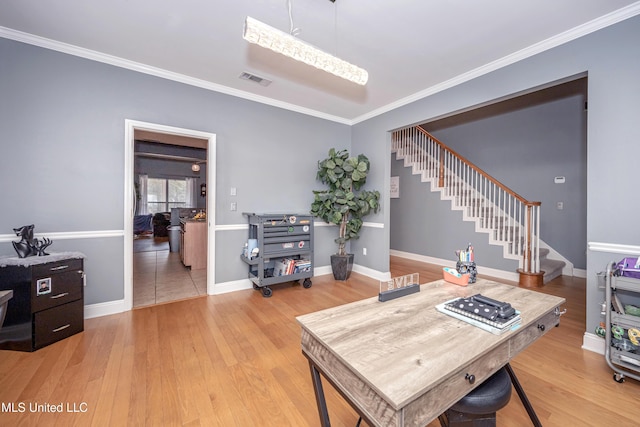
[254, 78]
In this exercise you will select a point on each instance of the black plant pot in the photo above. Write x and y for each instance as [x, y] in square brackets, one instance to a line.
[341, 265]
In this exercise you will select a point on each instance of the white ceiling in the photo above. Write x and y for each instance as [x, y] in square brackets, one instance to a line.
[411, 48]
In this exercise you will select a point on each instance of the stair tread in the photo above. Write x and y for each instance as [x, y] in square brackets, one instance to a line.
[551, 262]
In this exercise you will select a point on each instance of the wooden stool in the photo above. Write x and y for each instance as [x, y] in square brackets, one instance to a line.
[479, 407]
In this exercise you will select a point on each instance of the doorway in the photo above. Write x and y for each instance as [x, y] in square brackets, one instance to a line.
[175, 136]
[523, 140]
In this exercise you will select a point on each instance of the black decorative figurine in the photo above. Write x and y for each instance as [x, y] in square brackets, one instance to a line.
[28, 245]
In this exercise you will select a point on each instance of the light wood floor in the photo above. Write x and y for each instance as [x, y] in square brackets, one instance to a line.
[235, 360]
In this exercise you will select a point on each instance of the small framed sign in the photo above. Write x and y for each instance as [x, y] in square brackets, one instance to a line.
[43, 286]
[394, 189]
[399, 286]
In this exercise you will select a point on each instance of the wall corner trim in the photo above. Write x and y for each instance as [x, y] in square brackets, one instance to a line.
[592, 342]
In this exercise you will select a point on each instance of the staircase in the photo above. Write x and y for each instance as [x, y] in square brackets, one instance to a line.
[507, 218]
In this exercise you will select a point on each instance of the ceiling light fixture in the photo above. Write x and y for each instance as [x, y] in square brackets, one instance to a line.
[278, 41]
[196, 165]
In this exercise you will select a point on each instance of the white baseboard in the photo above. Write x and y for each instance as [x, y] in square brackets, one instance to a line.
[366, 271]
[486, 271]
[593, 342]
[321, 271]
[578, 272]
[104, 309]
[232, 286]
[369, 272]
[240, 285]
[114, 307]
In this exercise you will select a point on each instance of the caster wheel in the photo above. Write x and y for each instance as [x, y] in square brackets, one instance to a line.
[307, 283]
[256, 287]
[267, 292]
[618, 378]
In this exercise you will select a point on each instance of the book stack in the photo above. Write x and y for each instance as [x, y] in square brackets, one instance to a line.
[491, 323]
[287, 266]
[302, 266]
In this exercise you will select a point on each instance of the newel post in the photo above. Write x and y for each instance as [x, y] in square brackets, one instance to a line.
[528, 277]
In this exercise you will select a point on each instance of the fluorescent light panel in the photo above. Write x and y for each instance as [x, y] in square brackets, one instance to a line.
[268, 37]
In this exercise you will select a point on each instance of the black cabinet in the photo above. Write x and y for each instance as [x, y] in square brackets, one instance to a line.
[47, 303]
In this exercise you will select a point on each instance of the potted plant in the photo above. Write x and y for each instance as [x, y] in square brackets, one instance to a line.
[344, 203]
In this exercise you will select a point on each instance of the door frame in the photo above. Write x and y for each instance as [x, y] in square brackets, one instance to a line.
[129, 195]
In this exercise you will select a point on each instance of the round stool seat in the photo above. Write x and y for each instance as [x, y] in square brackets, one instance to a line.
[490, 396]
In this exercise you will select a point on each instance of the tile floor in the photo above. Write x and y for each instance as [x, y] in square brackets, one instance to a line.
[159, 277]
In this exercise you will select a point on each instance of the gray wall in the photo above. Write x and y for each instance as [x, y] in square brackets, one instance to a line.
[525, 148]
[54, 176]
[612, 60]
[423, 224]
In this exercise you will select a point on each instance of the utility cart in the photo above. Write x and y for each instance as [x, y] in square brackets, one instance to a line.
[622, 324]
[279, 249]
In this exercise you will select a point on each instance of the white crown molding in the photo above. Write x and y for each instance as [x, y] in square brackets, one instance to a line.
[93, 55]
[557, 40]
[577, 32]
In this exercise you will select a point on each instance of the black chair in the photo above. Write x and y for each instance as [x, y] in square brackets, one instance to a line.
[161, 221]
[479, 407]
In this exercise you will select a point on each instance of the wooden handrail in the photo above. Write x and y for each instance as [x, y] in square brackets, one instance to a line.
[474, 167]
[431, 155]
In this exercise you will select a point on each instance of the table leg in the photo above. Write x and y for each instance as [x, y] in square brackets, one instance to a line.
[523, 396]
[322, 404]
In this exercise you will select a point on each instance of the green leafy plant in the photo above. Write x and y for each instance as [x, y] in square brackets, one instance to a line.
[343, 203]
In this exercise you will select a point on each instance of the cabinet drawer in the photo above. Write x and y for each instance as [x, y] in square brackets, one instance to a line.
[299, 245]
[290, 230]
[533, 332]
[56, 289]
[57, 323]
[46, 270]
[456, 386]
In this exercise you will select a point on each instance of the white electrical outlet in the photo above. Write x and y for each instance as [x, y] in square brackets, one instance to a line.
[234, 206]
[233, 191]
[364, 251]
[560, 206]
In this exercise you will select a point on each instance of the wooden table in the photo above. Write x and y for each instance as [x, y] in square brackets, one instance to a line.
[403, 363]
